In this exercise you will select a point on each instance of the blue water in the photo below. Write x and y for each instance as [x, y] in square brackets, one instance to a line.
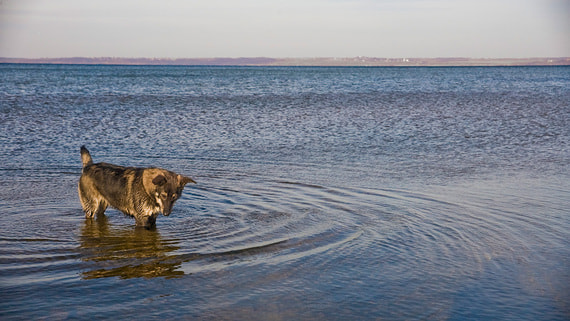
[323, 193]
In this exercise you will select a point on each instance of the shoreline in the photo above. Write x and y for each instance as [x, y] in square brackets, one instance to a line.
[294, 62]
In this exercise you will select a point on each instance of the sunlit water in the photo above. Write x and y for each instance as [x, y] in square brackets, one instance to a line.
[323, 193]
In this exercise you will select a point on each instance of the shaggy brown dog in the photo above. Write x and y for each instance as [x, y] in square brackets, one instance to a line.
[142, 193]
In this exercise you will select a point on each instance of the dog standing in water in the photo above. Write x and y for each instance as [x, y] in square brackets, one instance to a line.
[142, 193]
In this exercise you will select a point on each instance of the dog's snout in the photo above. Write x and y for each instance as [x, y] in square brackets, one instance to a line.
[167, 208]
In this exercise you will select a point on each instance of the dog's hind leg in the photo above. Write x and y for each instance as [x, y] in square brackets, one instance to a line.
[91, 206]
[101, 207]
[94, 208]
[92, 203]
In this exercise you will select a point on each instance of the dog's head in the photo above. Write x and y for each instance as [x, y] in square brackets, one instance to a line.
[165, 187]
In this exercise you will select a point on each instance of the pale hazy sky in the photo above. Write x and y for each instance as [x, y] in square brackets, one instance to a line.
[284, 28]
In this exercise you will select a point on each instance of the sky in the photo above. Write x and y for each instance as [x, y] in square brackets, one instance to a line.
[284, 28]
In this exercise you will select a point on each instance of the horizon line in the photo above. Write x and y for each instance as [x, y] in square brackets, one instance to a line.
[292, 61]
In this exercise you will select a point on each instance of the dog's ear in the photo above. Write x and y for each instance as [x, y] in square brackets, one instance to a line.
[183, 180]
[159, 180]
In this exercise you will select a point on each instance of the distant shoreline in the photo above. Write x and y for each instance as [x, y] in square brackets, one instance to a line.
[291, 62]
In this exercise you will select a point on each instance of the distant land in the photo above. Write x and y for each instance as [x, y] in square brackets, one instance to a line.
[263, 61]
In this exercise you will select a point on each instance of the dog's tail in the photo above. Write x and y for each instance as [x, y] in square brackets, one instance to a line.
[86, 157]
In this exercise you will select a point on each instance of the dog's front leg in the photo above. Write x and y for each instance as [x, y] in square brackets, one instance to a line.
[146, 221]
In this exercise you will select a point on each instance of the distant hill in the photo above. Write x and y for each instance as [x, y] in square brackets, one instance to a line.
[264, 61]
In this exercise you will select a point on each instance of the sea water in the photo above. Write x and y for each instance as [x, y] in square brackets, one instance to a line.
[323, 193]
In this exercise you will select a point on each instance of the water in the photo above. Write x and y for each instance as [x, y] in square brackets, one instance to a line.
[323, 193]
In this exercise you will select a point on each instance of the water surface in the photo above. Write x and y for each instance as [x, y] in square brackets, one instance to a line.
[323, 193]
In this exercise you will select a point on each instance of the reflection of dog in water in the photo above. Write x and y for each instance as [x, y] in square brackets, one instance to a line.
[142, 193]
[109, 251]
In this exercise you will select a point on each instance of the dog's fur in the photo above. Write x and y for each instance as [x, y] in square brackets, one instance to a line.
[142, 193]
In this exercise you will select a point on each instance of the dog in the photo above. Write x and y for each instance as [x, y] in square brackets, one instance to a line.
[142, 193]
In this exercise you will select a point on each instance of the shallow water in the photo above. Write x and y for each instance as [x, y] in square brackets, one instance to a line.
[323, 193]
